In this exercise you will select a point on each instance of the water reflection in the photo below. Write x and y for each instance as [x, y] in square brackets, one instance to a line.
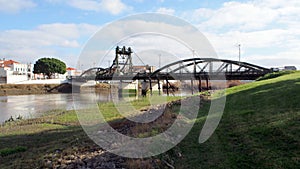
[30, 106]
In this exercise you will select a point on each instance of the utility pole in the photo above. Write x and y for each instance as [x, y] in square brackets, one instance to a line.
[239, 45]
[193, 53]
[159, 55]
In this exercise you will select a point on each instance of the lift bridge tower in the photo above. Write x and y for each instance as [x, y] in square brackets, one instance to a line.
[122, 63]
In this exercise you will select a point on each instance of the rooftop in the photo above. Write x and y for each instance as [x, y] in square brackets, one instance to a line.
[7, 63]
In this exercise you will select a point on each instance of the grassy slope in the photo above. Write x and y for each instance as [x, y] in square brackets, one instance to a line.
[260, 128]
[26, 143]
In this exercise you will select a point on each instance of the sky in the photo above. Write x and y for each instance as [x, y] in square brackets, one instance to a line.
[267, 30]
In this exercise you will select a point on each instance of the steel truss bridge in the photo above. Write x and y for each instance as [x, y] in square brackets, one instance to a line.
[180, 70]
[186, 69]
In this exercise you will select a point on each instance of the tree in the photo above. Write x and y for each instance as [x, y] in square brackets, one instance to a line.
[49, 66]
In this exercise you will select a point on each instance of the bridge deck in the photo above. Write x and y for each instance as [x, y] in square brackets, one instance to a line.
[177, 76]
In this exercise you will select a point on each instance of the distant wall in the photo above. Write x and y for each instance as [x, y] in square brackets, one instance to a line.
[16, 78]
[3, 72]
[130, 85]
[155, 87]
[46, 81]
[2, 80]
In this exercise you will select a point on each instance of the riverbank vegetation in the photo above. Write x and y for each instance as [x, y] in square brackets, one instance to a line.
[259, 129]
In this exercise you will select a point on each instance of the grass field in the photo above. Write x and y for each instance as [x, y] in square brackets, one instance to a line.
[260, 128]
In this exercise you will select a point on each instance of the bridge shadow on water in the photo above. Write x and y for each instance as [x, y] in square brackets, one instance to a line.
[62, 88]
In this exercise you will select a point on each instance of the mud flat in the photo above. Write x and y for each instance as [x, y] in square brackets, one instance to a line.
[25, 89]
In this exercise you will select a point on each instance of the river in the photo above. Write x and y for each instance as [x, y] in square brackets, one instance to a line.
[29, 106]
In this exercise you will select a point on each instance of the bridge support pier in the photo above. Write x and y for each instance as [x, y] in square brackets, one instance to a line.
[200, 85]
[207, 85]
[120, 89]
[158, 87]
[192, 86]
[167, 87]
[150, 86]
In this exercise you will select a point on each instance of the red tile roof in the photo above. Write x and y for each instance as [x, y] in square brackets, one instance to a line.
[7, 63]
[70, 68]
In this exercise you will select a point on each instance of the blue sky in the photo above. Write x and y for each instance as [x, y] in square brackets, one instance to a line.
[268, 30]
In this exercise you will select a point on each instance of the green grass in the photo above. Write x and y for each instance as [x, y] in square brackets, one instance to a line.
[111, 110]
[260, 128]
[9, 151]
[275, 74]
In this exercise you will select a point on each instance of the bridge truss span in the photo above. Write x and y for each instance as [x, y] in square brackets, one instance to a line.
[199, 69]
[210, 68]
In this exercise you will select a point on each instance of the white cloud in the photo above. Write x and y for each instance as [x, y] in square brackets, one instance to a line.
[168, 11]
[177, 39]
[114, 7]
[236, 15]
[15, 6]
[266, 29]
[57, 34]
[268, 42]
[276, 4]
[247, 16]
[281, 59]
[45, 40]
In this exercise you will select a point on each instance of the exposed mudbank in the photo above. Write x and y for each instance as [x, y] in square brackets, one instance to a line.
[25, 89]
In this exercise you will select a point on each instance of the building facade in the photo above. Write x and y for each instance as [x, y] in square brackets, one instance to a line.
[12, 71]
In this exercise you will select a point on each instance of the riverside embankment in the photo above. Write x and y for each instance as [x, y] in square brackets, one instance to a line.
[25, 89]
[259, 129]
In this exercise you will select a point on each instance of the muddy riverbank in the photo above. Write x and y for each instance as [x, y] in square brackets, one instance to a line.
[27, 89]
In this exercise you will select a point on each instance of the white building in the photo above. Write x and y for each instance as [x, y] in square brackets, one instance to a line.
[72, 72]
[290, 68]
[12, 71]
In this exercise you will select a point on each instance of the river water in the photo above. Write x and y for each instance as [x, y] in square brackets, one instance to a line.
[29, 106]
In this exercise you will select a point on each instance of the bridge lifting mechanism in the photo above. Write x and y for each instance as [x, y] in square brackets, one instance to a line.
[122, 63]
[122, 68]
